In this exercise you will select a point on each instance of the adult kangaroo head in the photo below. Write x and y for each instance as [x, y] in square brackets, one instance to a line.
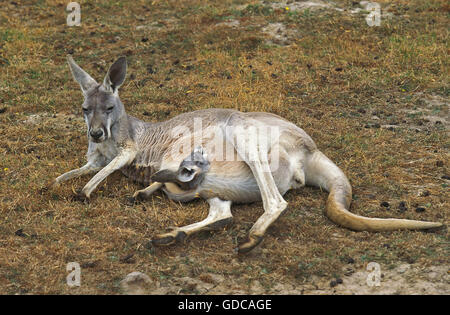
[102, 107]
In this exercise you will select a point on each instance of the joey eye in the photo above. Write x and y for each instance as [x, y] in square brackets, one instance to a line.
[186, 171]
[85, 110]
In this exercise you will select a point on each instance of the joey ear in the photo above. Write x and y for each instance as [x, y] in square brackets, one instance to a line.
[199, 150]
[164, 176]
[85, 80]
[116, 75]
[186, 174]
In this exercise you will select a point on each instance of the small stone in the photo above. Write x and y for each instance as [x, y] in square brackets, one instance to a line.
[420, 209]
[349, 260]
[385, 204]
[20, 233]
[135, 283]
[439, 163]
[445, 177]
[402, 206]
[89, 264]
[361, 110]
[333, 283]
[403, 268]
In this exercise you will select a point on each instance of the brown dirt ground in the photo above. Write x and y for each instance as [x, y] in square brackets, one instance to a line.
[375, 100]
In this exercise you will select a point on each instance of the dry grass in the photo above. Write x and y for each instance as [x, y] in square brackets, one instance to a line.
[333, 77]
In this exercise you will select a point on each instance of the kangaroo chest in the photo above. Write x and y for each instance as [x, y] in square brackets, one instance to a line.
[143, 167]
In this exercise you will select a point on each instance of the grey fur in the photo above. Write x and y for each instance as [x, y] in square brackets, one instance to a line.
[190, 174]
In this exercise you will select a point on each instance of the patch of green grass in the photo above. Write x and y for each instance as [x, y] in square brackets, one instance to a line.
[257, 9]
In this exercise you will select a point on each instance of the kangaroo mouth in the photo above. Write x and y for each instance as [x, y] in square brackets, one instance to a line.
[100, 140]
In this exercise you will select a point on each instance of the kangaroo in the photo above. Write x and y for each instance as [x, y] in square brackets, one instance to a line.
[183, 184]
[247, 174]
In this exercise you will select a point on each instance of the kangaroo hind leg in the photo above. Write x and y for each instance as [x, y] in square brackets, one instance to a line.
[147, 192]
[219, 216]
[254, 150]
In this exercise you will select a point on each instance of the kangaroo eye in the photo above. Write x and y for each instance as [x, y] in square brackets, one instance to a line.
[109, 109]
[85, 110]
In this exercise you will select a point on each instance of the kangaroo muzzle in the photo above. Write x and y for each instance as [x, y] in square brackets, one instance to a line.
[97, 135]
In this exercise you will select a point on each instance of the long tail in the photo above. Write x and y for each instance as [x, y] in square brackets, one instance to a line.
[321, 171]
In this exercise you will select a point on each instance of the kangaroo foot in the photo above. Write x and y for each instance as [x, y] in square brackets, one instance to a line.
[169, 238]
[252, 242]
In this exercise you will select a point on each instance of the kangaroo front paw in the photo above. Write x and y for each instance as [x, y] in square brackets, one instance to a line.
[80, 196]
[169, 238]
[140, 195]
[130, 201]
[252, 242]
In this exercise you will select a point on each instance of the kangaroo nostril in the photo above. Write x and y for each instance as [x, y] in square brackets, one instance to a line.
[96, 134]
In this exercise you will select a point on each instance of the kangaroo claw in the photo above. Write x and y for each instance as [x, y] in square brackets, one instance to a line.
[253, 241]
[139, 195]
[169, 238]
[80, 196]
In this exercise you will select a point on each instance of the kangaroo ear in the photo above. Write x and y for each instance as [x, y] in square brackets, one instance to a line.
[116, 75]
[85, 80]
[186, 174]
[200, 154]
[164, 176]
